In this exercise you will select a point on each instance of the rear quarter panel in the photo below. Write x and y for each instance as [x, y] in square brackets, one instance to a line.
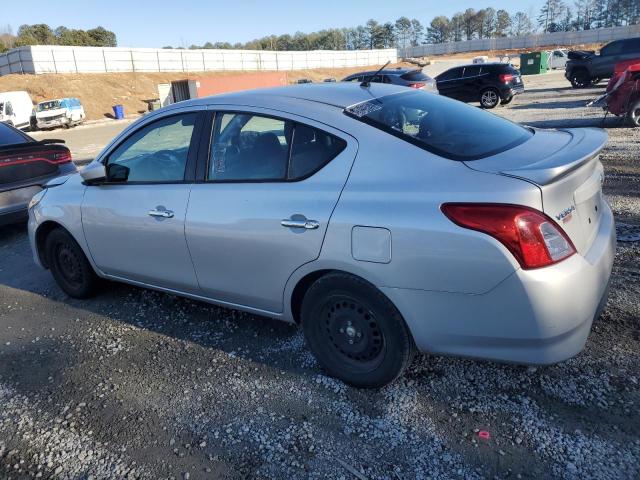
[400, 187]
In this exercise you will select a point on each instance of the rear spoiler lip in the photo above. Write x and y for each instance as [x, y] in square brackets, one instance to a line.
[585, 144]
[44, 141]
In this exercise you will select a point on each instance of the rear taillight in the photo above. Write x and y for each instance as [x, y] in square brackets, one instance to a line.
[506, 77]
[531, 236]
[417, 85]
[55, 157]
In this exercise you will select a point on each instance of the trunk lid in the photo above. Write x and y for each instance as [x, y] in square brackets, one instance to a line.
[564, 165]
[33, 160]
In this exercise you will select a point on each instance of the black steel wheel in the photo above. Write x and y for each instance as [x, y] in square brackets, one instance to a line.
[355, 332]
[69, 265]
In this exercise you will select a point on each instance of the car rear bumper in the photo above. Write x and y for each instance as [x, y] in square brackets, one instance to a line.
[538, 316]
[13, 203]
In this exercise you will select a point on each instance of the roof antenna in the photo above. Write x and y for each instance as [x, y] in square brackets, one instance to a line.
[366, 82]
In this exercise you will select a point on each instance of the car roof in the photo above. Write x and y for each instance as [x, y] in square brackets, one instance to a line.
[336, 94]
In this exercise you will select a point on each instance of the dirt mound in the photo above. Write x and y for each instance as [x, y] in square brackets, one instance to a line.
[99, 92]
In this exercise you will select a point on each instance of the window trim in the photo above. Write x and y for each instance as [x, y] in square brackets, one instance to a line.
[207, 161]
[192, 154]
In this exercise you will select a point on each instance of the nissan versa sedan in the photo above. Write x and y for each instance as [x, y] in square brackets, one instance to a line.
[383, 220]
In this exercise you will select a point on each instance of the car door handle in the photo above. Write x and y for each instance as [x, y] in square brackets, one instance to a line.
[161, 213]
[304, 223]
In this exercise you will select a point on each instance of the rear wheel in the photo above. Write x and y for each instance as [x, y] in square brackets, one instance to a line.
[633, 115]
[489, 98]
[506, 101]
[580, 79]
[69, 265]
[355, 332]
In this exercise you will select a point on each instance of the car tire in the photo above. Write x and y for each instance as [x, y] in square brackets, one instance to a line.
[506, 101]
[489, 98]
[69, 265]
[581, 79]
[633, 115]
[355, 332]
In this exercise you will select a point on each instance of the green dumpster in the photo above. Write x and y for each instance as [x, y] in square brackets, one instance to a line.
[533, 63]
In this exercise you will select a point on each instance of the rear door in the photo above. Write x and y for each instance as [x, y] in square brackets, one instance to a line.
[262, 209]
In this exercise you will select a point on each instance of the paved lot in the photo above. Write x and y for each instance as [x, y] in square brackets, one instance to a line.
[85, 141]
[141, 384]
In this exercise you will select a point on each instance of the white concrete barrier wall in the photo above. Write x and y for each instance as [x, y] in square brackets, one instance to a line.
[40, 59]
[597, 35]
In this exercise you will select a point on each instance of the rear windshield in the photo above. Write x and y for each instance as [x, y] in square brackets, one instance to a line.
[10, 136]
[48, 105]
[440, 125]
[415, 76]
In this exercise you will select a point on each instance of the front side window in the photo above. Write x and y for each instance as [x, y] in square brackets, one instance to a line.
[249, 147]
[155, 153]
[440, 125]
[613, 48]
[452, 74]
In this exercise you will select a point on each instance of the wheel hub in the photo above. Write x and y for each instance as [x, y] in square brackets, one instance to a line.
[352, 330]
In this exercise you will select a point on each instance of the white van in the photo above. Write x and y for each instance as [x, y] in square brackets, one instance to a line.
[16, 109]
[63, 112]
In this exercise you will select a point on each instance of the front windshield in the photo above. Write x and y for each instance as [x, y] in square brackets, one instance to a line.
[52, 105]
[440, 125]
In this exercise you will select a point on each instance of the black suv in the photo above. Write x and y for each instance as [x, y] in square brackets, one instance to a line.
[487, 83]
[408, 77]
[584, 69]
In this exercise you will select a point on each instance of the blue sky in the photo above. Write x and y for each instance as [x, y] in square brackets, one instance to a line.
[157, 23]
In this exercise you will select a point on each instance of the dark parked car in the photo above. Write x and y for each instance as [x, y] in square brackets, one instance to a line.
[26, 165]
[586, 68]
[487, 83]
[406, 77]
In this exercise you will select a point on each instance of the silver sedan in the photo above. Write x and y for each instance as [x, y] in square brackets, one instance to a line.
[382, 220]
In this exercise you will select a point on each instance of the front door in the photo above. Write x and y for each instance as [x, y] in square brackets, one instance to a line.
[134, 222]
[262, 212]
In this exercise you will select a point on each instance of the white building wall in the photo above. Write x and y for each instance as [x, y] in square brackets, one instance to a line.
[41, 59]
[599, 35]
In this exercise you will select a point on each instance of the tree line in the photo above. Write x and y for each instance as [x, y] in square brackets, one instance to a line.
[555, 15]
[43, 34]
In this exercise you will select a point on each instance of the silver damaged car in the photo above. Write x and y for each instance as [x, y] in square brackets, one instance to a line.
[382, 220]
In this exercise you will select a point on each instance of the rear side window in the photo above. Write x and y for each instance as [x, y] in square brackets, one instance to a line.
[471, 72]
[311, 150]
[9, 136]
[250, 148]
[632, 45]
[440, 125]
[613, 48]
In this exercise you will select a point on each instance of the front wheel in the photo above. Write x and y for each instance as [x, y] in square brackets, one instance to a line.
[355, 332]
[69, 265]
[633, 115]
[489, 98]
[581, 79]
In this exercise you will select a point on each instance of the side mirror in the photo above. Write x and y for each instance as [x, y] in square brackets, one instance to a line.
[117, 173]
[94, 172]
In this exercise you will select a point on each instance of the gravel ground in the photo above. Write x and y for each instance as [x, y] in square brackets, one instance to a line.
[138, 384]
